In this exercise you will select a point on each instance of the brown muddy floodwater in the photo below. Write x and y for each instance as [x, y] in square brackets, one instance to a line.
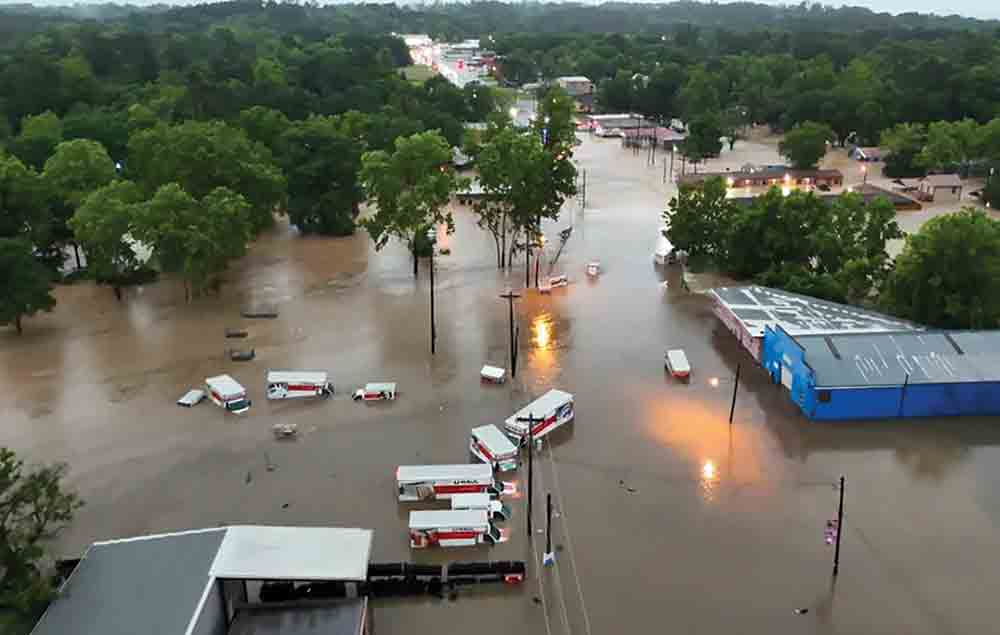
[667, 518]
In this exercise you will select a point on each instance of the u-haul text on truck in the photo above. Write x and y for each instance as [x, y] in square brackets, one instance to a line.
[429, 482]
[288, 384]
[452, 528]
[554, 408]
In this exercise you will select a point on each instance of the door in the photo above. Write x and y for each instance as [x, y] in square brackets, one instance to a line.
[786, 377]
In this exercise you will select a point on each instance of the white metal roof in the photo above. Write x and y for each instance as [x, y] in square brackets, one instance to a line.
[494, 439]
[470, 501]
[445, 518]
[297, 376]
[381, 387]
[225, 385]
[541, 406]
[470, 471]
[293, 553]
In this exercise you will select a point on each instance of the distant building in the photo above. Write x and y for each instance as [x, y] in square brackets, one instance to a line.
[748, 311]
[768, 176]
[580, 88]
[867, 154]
[210, 582]
[841, 376]
[867, 191]
[940, 187]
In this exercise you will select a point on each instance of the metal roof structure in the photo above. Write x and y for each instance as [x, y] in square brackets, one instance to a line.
[332, 619]
[152, 585]
[756, 307]
[902, 357]
[158, 584]
[448, 518]
[471, 471]
[293, 553]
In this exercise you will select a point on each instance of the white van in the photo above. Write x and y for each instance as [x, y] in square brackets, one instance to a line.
[497, 509]
[226, 392]
[663, 254]
[429, 482]
[289, 384]
[379, 391]
[452, 528]
[554, 408]
[489, 445]
[677, 363]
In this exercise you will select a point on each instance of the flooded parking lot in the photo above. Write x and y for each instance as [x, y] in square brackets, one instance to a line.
[667, 517]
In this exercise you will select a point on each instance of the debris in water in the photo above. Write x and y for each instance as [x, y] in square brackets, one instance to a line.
[285, 505]
[631, 490]
[249, 477]
[267, 460]
[801, 611]
[536, 600]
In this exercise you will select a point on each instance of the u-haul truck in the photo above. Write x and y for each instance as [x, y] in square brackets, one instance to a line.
[490, 445]
[430, 482]
[452, 528]
[289, 384]
[554, 408]
[227, 393]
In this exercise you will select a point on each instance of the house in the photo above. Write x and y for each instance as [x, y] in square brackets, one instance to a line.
[215, 582]
[748, 311]
[847, 376]
[575, 85]
[940, 187]
[768, 176]
[868, 192]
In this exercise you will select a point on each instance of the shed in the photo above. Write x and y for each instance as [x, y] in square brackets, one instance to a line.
[940, 187]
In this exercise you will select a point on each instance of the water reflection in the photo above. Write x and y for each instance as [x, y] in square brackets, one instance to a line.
[541, 331]
[709, 481]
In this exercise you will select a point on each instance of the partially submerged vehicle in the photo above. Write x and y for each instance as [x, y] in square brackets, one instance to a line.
[549, 411]
[191, 398]
[227, 393]
[676, 362]
[290, 384]
[379, 391]
[492, 375]
[452, 528]
[490, 445]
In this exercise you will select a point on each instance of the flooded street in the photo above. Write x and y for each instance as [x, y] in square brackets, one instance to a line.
[667, 516]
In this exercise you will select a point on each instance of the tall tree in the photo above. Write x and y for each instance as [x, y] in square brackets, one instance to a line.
[322, 162]
[704, 139]
[554, 121]
[23, 206]
[948, 275]
[39, 136]
[410, 189]
[34, 507]
[699, 218]
[805, 144]
[103, 225]
[903, 143]
[25, 284]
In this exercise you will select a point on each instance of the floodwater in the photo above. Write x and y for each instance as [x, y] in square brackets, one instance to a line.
[667, 518]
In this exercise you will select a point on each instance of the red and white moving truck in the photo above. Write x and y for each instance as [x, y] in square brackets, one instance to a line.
[554, 409]
[429, 482]
[289, 384]
[452, 528]
[497, 508]
[491, 446]
[227, 393]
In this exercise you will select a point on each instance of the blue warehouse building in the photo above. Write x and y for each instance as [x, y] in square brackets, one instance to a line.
[906, 373]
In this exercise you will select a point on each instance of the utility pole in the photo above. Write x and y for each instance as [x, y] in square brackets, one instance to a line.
[433, 325]
[736, 385]
[510, 296]
[531, 420]
[549, 557]
[840, 528]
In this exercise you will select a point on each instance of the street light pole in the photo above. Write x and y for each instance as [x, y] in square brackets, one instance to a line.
[840, 528]
[433, 325]
[531, 420]
[736, 385]
[510, 296]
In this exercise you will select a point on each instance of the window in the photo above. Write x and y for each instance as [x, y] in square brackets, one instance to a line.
[824, 396]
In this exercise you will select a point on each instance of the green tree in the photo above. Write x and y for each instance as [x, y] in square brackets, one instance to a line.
[950, 143]
[23, 207]
[74, 170]
[410, 189]
[39, 136]
[698, 220]
[194, 238]
[103, 225]
[25, 284]
[107, 126]
[699, 95]
[948, 274]
[554, 121]
[34, 507]
[201, 156]
[805, 144]
[903, 143]
[264, 125]
[322, 162]
[704, 139]
[522, 182]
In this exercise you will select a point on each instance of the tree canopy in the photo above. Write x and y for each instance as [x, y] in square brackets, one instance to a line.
[25, 284]
[805, 144]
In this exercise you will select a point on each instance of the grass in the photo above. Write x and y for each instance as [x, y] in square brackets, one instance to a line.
[418, 73]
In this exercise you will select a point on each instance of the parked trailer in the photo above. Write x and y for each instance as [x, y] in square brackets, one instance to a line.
[452, 528]
[429, 482]
[677, 363]
[498, 511]
[376, 392]
[227, 393]
[554, 408]
[289, 384]
[492, 375]
[490, 445]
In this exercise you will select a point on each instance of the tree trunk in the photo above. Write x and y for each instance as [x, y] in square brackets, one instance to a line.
[17, 324]
[118, 292]
[187, 292]
[76, 253]
[503, 238]
[414, 252]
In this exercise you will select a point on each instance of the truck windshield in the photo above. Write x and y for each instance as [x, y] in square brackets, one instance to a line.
[239, 404]
[494, 532]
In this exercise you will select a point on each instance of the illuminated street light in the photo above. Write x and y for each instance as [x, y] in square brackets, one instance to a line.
[513, 113]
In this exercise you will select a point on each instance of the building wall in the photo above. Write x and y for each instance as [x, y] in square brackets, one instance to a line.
[780, 351]
[749, 342]
[212, 619]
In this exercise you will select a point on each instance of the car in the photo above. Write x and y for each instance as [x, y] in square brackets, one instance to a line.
[191, 398]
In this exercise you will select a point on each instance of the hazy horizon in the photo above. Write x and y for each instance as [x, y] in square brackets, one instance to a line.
[967, 8]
